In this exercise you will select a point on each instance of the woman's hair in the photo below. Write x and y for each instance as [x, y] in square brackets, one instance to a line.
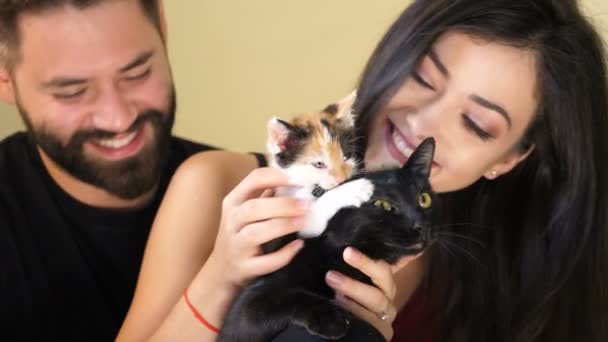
[540, 273]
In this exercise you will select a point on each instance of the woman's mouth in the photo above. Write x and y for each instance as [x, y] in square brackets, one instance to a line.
[399, 145]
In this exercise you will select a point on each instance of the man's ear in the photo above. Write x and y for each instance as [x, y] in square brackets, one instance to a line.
[7, 87]
[507, 164]
[162, 20]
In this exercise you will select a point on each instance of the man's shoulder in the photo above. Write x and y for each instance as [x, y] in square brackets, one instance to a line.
[14, 156]
[190, 145]
[184, 148]
[13, 145]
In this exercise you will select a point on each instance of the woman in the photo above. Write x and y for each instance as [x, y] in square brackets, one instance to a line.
[514, 93]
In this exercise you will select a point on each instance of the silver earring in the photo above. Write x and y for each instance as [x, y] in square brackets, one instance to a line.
[494, 173]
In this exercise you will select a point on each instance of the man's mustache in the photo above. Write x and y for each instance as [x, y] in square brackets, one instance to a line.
[153, 116]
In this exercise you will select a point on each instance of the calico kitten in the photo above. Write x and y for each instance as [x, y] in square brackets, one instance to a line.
[384, 214]
[315, 150]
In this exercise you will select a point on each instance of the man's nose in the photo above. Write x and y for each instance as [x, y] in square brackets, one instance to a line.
[114, 113]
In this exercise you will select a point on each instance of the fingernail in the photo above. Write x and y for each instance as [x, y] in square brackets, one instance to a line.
[298, 221]
[304, 204]
[297, 244]
[333, 278]
[294, 181]
[340, 297]
[351, 254]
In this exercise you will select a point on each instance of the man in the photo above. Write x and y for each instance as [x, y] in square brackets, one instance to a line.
[79, 190]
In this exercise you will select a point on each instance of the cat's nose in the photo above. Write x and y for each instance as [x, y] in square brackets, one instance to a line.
[425, 233]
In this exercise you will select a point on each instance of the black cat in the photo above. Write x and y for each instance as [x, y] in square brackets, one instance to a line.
[384, 214]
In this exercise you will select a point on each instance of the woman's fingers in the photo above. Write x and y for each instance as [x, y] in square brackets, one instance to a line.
[255, 184]
[271, 262]
[384, 326]
[258, 233]
[261, 209]
[368, 296]
[380, 271]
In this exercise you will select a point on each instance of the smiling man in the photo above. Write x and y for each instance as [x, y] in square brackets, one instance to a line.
[80, 188]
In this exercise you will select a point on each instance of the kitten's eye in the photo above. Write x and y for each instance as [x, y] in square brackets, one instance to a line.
[383, 204]
[424, 200]
[319, 165]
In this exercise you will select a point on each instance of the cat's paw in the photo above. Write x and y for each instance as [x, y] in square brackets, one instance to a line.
[327, 321]
[356, 192]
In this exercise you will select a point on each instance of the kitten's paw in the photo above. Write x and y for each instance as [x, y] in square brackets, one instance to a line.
[357, 192]
[330, 322]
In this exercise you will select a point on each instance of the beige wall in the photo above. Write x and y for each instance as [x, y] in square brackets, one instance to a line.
[237, 63]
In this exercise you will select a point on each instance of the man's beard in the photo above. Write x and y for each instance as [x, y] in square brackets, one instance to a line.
[128, 178]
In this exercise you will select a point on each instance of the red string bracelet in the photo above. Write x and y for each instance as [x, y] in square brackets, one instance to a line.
[198, 315]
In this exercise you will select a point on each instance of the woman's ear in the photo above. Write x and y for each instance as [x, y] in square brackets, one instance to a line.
[507, 164]
[7, 87]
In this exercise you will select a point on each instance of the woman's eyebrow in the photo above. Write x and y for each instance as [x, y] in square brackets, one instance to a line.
[435, 58]
[493, 107]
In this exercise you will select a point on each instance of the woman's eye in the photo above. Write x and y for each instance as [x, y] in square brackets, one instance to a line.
[472, 126]
[139, 76]
[69, 96]
[421, 81]
[319, 164]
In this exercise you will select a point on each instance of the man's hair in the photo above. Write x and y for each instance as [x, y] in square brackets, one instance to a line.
[10, 11]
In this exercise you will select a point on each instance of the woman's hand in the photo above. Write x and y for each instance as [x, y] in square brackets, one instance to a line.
[250, 218]
[374, 304]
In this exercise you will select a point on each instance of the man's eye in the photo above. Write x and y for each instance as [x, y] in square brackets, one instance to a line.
[139, 76]
[473, 127]
[69, 96]
[421, 81]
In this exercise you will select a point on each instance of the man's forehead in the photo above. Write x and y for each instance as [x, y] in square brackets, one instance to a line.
[104, 36]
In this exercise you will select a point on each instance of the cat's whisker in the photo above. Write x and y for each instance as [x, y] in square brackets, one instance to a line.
[447, 244]
[458, 224]
[461, 236]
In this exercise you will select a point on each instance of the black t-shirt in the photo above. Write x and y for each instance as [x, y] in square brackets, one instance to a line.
[67, 270]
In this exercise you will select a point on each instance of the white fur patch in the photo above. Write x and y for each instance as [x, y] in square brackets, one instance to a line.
[350, 194]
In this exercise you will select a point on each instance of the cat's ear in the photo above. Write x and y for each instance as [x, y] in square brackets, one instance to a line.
[343, 109]
[278, 135]
[421, 160]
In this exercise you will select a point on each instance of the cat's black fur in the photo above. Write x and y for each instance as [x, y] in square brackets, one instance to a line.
[298, 295]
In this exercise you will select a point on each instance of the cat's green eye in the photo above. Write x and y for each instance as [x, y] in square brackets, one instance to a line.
[383, 204]
[424, 200]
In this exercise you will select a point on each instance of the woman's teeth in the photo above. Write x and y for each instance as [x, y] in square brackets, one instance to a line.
[117, 142]
[401, 144]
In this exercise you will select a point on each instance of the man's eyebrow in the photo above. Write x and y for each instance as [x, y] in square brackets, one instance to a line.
[435, 58]
[62, 81]
[66, 81]
[137, 61]
[492, 106]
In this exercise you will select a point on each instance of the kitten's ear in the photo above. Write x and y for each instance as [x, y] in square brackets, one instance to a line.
[343, 109]
[421, 160]
[278, 134]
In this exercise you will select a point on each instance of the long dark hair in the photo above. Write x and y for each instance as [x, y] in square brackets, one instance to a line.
[540, 274]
